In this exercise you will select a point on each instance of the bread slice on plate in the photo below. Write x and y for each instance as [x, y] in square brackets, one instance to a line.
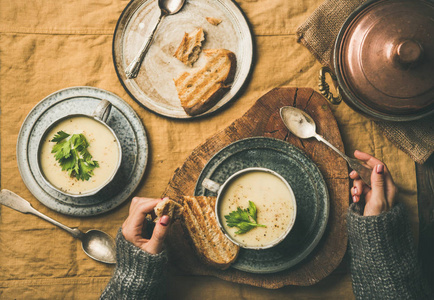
[191, 46]
[209, 242]
[169, 208]
[200, 90]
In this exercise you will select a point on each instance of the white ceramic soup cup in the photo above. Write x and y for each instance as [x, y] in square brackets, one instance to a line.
[221, 188]
[100, 115]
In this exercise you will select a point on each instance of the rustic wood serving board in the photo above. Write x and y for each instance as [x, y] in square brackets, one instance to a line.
[263, 119]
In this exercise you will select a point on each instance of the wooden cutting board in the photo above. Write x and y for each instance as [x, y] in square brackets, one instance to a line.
[263, 119]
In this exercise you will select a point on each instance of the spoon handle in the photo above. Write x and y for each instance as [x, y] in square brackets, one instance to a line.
[17, 203]
[133, 69]
[363, 171]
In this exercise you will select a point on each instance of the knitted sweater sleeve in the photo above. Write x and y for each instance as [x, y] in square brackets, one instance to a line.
[383, 258]
[138, 274]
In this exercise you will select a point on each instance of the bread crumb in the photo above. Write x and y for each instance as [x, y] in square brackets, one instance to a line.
[213, 21]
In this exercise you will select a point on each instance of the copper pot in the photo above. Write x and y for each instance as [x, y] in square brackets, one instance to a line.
[383, 59]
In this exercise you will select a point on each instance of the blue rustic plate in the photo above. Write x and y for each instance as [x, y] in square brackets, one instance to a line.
[125, 123]
[309, 188]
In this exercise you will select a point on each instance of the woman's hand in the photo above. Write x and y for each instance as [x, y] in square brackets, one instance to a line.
[380, 197]
[135, 225]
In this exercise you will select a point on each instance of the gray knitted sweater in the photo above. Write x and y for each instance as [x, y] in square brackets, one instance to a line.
[383, 262]
[138, 274]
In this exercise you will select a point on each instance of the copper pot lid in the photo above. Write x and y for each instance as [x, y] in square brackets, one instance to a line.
[384, 58]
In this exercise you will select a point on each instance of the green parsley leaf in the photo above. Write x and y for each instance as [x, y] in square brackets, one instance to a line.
[73, 156]
[59, 136]
[241, 218]
[252, 210]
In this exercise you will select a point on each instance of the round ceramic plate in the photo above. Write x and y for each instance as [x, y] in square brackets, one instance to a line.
[154, 87]
[309, 188]
[125, 123]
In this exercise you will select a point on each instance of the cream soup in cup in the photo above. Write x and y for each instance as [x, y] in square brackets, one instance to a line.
[104, 147]
[274, 201]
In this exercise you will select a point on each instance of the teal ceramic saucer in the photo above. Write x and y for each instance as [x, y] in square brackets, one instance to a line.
[309, 188]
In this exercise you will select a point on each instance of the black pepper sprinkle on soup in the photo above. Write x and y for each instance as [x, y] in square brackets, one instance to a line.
[273, 201]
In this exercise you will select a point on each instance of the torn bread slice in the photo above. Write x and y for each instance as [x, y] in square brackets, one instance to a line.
[200, 90]
[190, 47]
[209, 242]
[169, 208]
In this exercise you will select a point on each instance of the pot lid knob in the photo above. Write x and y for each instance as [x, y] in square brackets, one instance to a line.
[408, 52]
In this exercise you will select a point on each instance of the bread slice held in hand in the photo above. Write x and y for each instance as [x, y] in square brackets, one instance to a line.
[200, 90]
[169, 208]
[209, 242]
[191, 46]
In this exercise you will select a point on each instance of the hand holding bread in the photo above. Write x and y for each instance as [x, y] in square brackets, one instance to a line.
[167, 207]
[135, 225]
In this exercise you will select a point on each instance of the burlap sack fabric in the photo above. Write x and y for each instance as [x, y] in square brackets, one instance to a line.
[318, 34]
[47, 45]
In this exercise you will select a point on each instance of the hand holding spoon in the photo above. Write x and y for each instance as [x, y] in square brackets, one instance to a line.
[167, 7]
[303, 126]
[95, 243]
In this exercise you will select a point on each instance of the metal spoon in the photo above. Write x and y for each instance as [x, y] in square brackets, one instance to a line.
[95, 243]
[167, 7]
[303, 126]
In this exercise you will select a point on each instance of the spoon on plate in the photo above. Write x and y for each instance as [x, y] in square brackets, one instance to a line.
[167, 7]
[95, 243]
[303, 126]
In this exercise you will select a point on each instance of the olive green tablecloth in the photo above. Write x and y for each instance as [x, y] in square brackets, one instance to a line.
[47, 45]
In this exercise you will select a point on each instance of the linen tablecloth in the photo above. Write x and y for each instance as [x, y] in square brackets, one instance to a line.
[47, 45]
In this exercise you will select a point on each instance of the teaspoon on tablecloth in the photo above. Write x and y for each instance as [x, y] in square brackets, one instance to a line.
[303, 126]
[167, 7]
[96, 244]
